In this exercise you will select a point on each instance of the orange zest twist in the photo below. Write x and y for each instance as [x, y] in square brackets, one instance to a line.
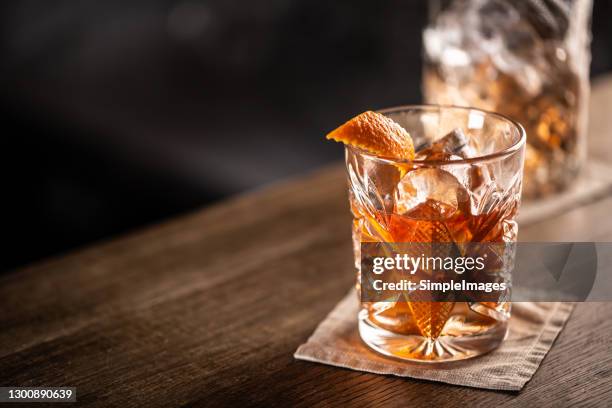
[377, 134]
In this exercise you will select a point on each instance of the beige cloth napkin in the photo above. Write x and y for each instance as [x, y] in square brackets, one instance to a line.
[533, 326]
[533, 329]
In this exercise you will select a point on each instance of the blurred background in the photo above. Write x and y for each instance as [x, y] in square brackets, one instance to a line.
[121, 114]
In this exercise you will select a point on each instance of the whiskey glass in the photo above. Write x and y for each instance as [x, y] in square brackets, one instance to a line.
[528, 60]
[463, 187]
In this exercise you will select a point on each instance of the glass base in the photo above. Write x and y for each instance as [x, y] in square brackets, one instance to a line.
[464, 343]
[545, 176]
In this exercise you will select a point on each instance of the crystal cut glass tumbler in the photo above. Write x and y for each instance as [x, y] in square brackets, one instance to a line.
[527, 59]
[464, 186]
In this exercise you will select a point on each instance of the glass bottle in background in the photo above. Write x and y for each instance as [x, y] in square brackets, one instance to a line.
[526, 59]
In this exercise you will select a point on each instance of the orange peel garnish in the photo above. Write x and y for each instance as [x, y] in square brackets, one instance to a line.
[377, 134]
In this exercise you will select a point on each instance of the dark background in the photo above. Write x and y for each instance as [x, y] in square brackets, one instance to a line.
[120, 114]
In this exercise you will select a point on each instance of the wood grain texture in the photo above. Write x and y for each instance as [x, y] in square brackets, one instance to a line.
[208, 309]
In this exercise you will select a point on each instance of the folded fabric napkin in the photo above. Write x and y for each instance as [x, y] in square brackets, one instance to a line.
[533, 329]
[533, 326]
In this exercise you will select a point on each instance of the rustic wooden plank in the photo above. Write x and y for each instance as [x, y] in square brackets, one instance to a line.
[208, 309]
[181, 256]
[186, 291]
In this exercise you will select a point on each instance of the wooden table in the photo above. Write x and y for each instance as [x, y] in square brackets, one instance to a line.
[207, 309]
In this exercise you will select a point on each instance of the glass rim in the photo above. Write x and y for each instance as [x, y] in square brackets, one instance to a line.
[502, 153]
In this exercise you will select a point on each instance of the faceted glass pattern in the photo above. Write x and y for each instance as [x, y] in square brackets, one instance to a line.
[526, 59]
[463, 186]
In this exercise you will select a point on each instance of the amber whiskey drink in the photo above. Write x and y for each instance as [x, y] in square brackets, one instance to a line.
[463, 186]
